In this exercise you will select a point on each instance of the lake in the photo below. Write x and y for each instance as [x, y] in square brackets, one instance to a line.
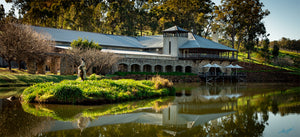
[218, 109]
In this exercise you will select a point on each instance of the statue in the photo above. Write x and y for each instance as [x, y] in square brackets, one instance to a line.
[82, 70]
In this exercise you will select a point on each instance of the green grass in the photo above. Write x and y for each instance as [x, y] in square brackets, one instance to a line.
[105, 90]
[242, 57]
[23, 78]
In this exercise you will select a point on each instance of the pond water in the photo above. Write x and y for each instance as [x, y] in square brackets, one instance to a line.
[251, 109]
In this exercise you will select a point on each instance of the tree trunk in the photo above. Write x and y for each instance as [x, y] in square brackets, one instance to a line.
[238, 47]
[19, 64]
[249, 57]
[9, 65]
[232, 43]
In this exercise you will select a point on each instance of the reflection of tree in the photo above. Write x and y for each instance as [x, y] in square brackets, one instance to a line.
[15, 122]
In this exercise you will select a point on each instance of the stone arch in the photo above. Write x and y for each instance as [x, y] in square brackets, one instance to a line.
[158, 68]
[188, 69]
[178, 69]
[169, 68]
[123, 67]
[147, 68]
[135, 68]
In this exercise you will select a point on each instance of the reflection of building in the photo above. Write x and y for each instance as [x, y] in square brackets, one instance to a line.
[183, 112]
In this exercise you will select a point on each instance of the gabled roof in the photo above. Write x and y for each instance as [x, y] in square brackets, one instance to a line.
[63, 35]
[151, 41]
[174, 29]
[196, 41]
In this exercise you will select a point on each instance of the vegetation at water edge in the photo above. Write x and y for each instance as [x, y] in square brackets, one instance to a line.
[97, 91]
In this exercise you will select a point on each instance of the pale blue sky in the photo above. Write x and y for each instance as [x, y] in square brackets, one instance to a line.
[284, 20]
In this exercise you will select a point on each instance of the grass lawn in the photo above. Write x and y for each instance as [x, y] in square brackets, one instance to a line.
[242, 57]
[23, 78]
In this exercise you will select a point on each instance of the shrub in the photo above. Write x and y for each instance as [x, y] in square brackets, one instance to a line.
[67, 93]
[160, 82]
[95, 77]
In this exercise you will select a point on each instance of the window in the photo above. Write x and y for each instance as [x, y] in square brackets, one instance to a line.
[169, 47]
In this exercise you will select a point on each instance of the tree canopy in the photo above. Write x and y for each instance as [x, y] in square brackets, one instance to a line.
[85, 44]
[126, 17]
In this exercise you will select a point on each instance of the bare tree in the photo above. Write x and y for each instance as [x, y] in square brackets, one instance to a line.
[101, 62]
[21, 43]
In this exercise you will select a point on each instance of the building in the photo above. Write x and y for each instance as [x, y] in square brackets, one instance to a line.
[177, 50]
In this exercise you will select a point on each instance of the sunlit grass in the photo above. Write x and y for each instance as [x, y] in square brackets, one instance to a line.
[73, 91]
[243, 57]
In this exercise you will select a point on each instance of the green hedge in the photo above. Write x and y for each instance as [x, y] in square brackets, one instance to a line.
[105, 90]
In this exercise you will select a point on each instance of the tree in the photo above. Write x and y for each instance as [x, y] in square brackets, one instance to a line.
[242, 16]
[99, 62]
[275, 51]
[191, 14]
[85, 44]
[20, 43]
[2, 12]
[265, 50]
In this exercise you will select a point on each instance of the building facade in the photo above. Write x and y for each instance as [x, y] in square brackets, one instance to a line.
[177, 50]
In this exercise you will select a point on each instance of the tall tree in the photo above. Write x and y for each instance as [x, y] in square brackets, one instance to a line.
[191, 14]
[275, 51]
[265, 50]
[236, 15]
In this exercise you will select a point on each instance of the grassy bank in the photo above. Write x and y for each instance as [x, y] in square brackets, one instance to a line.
[18, 77]
[97, 91]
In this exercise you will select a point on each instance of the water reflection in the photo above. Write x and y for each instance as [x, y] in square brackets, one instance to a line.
[15, 122]
[209, 110]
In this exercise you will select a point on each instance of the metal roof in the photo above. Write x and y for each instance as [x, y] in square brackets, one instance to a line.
[64, 35]
[128, 52]
[174, 29]
[151, 41]
[196, 41]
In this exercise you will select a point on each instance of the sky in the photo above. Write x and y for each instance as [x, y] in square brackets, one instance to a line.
[283, 21]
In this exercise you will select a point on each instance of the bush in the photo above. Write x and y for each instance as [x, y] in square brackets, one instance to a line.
[67, 93]
[72, 91]
[95, 77]
[160, 82]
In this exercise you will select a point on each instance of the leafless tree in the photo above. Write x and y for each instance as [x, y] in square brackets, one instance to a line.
[102, 62]
[21, 43]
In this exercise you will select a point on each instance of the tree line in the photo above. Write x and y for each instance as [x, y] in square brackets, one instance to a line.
[287, 44]
[121, 17]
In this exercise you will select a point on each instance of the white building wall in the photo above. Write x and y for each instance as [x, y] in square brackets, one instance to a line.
[176, 42]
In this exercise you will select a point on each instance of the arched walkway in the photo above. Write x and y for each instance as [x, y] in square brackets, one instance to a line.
[123, 67]
[147, 68]
[135, 68]
[169, 68]
[178, 69]
[158, 68]
[188, 69]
